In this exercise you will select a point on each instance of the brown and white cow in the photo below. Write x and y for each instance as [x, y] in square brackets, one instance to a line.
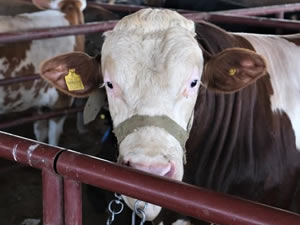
[24, 58]
[240, 93]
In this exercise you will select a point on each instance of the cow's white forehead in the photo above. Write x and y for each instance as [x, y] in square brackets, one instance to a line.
[151, 41]
[152, 20]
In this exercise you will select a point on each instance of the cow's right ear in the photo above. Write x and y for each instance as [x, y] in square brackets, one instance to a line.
[76, 74]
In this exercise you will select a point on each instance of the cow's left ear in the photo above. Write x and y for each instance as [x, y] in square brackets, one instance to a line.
[76, 74]
[233, 69]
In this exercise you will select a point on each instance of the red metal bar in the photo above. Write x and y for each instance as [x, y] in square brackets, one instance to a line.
[28, 152]
[247, 20]
[53, 213]
[9, 81]
[128, 8]
[45, 116]
[72, 202]
[44, 33]
[264, 10]
[189, 200]
[9, 37]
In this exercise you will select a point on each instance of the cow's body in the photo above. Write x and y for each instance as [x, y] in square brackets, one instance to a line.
[24, 58]
[247, 143]
[245, 135]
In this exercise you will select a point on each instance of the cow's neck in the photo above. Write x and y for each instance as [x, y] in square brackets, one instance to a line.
[233, 132]
[75, 17]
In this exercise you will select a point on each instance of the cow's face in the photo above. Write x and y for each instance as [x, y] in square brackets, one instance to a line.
[151, 68]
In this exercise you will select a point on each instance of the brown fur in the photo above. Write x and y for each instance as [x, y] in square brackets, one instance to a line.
[75, 17]
[13, 54]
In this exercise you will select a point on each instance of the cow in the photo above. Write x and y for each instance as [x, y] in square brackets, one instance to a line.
[23, 58]
[234, 97]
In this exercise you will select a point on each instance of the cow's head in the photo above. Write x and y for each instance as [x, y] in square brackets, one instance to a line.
[58, 4]
[152, 68]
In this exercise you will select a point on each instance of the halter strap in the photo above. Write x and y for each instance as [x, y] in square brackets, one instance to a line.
[137, 121]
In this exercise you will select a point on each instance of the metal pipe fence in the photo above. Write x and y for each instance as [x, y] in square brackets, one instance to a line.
[63, 170]
[44, 116]
[230, 16]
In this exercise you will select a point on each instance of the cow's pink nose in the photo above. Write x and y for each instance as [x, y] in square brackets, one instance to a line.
[162, 169]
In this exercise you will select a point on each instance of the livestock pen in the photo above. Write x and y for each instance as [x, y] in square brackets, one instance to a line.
[64, 170]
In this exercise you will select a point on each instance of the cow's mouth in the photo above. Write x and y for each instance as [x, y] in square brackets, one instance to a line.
[160, 169]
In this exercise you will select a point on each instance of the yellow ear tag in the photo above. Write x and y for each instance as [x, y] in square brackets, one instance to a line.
[73, 81]
[232, 71]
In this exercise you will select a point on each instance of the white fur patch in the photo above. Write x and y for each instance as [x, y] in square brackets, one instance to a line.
[283, 65]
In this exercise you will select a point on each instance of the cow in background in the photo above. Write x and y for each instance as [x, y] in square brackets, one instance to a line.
[235, 95]
[24, 58]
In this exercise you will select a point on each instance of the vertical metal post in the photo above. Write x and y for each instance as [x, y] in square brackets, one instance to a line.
[53, 213]
[72, 202]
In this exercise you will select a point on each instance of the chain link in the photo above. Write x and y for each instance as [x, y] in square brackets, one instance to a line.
[139, 211]
[117, 202]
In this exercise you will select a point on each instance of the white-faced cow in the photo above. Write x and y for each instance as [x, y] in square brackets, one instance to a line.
[24, 58]
[236, 96]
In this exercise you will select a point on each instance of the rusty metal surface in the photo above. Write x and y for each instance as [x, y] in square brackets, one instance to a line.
[186, 199]
[72, 202]
[44, 116]
[53, 213]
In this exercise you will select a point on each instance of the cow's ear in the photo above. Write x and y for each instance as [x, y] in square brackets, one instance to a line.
[76, 74]
[233, 69]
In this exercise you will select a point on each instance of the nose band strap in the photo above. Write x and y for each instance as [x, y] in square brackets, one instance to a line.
[137, 121]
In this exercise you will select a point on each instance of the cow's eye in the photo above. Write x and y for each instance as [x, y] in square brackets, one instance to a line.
[194, 83]
[109, 84]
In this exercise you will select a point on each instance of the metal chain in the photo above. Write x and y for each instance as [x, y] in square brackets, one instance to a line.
[139, 210]
[117, 201]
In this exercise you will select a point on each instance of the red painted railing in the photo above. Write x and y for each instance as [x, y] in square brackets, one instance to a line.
[63, 170]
